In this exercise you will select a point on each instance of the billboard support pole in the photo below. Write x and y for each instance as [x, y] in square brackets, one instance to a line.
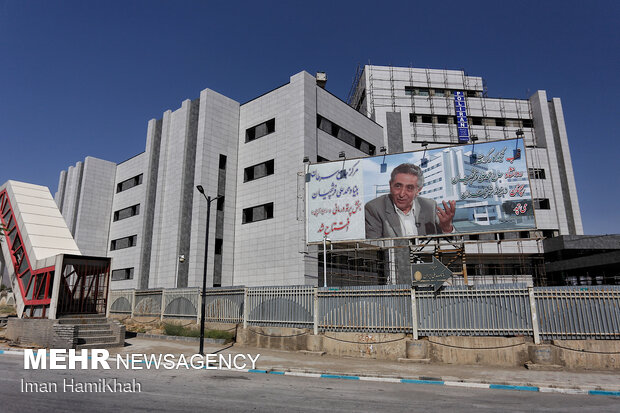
[324, 260]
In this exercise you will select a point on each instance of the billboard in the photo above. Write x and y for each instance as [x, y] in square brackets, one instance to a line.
[464, 189]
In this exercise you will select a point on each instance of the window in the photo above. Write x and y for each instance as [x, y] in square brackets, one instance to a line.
[500, 122]
[261, 130]
[476, 120]
[126, 212]
[409, 91]
[536, 173]
[257, 213]
[427, 119]
[413, 118]
[528, 123]
[439, 92]
[122, 274]
[258, 171]
[121, 243]
[541, 203]
[220, 203]
[344, 135]
[423, 92]
[129, 183]
[222, 161]
[442, 119]
[472, 94]
[218, 246]
[548, 233]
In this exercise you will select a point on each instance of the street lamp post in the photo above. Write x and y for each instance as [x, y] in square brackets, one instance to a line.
[204, 273]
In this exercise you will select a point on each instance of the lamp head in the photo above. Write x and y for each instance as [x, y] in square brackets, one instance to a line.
[200, 189]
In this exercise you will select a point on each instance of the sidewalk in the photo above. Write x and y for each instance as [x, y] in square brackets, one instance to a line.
[298, 363]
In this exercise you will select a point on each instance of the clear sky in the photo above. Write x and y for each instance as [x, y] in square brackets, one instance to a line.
[82, 78]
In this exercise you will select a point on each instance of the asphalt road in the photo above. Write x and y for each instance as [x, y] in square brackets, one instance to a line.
[192, 390]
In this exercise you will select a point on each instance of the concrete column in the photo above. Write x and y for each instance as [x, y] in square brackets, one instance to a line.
[316, 311]
[534, 315]
[414, 315]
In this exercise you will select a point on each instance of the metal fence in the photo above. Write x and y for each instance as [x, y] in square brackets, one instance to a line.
[224, 305]
[494, 310]
[181, 303]
[484, 311]
[578, 312]
[280, 306]
[380, 308]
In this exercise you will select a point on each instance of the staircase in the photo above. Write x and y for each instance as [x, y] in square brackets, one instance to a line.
[95, 331]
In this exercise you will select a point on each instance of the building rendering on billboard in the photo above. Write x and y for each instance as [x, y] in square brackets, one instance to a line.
[467, 189]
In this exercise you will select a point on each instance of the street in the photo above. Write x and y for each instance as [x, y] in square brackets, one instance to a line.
[190, 390]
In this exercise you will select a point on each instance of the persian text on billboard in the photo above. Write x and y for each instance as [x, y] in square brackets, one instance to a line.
[487, 184]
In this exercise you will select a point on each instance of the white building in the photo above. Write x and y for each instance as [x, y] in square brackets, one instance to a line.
[418, 105]
[146, 214]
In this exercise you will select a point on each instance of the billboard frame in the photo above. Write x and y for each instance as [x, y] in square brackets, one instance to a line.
[442, 145]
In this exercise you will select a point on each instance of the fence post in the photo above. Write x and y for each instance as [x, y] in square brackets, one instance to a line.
[530, 290]
[414, 315]
[199, 307]
[133, 302]
[245, 308]
[316, 311]
[109, 304]
[162, 305]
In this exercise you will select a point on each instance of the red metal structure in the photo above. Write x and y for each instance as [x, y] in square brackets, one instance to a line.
[84, 280]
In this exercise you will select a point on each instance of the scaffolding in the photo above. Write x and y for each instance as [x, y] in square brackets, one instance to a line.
[372, 262]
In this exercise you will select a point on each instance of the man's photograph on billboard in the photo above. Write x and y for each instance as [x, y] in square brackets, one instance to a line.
[464, 189]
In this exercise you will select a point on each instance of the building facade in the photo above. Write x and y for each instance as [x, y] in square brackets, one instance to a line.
[419, 108]
[146, 214]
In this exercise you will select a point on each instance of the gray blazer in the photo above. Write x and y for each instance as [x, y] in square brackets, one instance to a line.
[383, 222]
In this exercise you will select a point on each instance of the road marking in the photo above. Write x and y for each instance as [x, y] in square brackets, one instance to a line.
[511, 387]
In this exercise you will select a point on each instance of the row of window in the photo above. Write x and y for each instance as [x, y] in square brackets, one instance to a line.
[536, 173]
[129, 183]
[125, 242]
[258, 171]
[257, 213]
[122, 274]
[344, 135]
[260, 130]
[541, 203]
[126, 212]
[424, 91]
[472, 120]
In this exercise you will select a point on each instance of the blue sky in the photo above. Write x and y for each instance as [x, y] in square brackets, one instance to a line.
[82, 78]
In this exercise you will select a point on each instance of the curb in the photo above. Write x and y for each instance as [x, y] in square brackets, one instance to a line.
[441, 382]
[421, 380]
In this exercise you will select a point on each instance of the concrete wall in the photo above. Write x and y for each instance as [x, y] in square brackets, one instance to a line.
[41, 333]
[486, 351]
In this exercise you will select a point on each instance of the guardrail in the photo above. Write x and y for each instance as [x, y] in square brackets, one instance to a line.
[496, 310]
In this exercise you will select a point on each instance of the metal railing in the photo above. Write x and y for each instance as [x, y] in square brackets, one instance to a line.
[578, 312]
[280, 306]
[181, 302]
[380, 308]
[224, 305]
[487, 310]
[484, 311]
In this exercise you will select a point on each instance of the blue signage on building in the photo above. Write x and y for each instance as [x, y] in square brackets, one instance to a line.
[461, 116]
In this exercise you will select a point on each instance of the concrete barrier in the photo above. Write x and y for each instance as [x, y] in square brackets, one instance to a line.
[41, 333]
[490, 351]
